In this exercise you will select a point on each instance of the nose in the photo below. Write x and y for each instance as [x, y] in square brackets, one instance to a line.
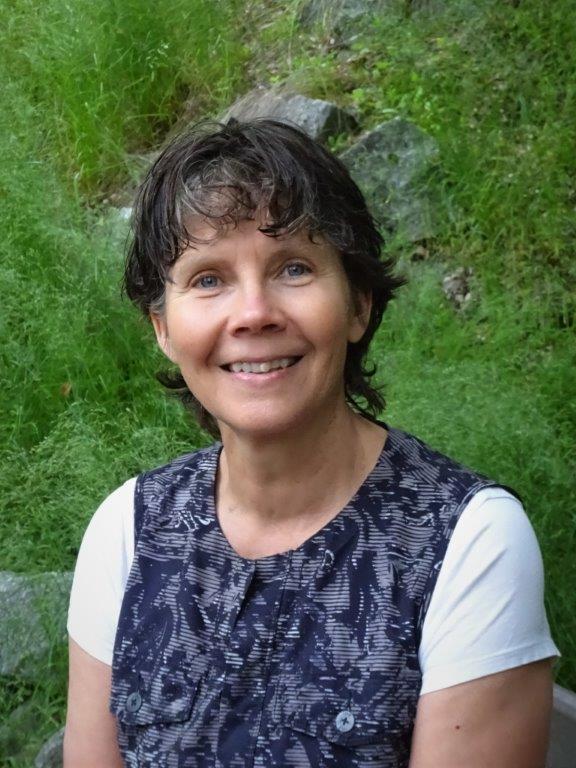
[255, 311]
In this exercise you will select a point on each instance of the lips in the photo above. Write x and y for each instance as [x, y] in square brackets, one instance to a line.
[261, 366]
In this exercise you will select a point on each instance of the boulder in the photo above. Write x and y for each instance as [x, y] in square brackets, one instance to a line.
[346, 18]
[343, 16]
[456, 287]
[17, 731]
[52, 753]
[393, 165]
[33, 612]
[563, 730]
[320, 119]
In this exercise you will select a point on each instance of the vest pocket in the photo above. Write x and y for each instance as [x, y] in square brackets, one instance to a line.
[153, 721]
[336, 733]
[162, 701]
[336, 722]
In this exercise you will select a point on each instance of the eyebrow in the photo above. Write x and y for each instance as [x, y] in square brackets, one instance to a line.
[192, 255]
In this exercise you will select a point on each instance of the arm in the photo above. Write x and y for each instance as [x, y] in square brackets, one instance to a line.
[498, 721]
[104, 559]
[90, 739]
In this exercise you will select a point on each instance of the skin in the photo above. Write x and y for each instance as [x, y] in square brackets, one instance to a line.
[497, 721]
[247, 297]
[90, 737]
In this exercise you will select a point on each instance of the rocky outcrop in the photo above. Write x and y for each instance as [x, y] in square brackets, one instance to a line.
[17, 731]
[52, 753]
[320, 119]
[562, 747]
[343, 16]
[393, 165]
[32, 617]
[346, 18]
[456, 287]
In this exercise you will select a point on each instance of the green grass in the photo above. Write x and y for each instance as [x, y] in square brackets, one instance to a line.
[89, 88]
[495, 86]
[108, 78]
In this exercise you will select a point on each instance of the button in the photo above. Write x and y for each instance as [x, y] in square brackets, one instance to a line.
[133, 702]
[344, 721]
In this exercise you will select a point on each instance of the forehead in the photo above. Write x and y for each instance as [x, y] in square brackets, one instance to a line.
[209, 240]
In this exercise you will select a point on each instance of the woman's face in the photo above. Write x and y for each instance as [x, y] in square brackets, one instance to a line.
[259, 328]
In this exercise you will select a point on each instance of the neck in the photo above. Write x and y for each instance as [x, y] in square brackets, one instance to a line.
[302, 475]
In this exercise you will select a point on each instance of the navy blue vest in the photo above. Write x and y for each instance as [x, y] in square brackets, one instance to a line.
[305, 658]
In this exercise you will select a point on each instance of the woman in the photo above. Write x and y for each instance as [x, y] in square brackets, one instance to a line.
[318, 589]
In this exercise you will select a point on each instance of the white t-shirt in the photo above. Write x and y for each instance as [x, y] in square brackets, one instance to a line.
[486, 613]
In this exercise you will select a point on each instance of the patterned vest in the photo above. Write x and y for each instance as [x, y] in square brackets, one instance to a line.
[305, 658]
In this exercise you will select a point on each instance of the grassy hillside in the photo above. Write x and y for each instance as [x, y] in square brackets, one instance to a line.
[90, 88]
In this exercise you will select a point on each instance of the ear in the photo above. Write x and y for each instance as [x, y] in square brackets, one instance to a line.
[161, 330]
[361, 308]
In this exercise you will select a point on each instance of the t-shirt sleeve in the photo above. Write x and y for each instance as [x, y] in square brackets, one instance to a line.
[487, 611]
[101, 572]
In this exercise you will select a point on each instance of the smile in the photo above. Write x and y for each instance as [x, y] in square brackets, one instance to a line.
[261, 367]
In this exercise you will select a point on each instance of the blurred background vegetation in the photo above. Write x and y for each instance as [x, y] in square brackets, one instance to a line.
[89, 89]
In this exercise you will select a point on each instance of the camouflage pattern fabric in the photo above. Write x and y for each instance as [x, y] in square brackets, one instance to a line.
[305, 658]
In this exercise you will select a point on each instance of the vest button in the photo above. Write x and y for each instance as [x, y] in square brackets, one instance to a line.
[133, 702]
[344, 721]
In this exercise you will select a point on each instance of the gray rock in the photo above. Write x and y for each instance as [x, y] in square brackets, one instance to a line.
[562, 750]
[33, 613]
[52, 753]
[393, 166]
[456, 287]
[344, 16]
[17, 731]
[320, 119]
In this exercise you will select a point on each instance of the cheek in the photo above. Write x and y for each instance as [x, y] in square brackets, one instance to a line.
[331, 324]
[189, 338]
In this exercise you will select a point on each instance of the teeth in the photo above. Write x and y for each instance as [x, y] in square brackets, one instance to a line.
[270, 365]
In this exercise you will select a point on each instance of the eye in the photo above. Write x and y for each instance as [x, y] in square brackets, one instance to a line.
[297, 269]
[206, 281]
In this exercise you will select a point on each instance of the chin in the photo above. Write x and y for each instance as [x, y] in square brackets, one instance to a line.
[262, 425]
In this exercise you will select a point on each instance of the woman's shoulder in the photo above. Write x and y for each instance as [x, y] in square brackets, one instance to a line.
[186, 462]
[101, 571]
[117, 507]
[430, 468]
[110, 532]
[183, 466]
[487, 610]
[113, 520]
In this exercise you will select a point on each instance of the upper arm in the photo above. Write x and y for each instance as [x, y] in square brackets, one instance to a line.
[90, 739]
[99, 580]
[497, 721]
[101, 573]
[487, 610]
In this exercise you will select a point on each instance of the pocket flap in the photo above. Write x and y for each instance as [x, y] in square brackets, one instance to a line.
[163, 701]
[339, 723]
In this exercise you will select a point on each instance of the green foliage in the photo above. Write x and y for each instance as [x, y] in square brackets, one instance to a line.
[495, 86]
[110, 77]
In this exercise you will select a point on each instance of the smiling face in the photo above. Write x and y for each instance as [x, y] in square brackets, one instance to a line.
[259, 327]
